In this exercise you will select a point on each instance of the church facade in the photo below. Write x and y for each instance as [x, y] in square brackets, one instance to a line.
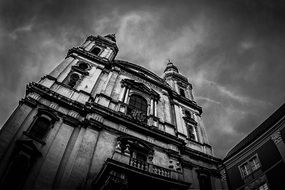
[96, 122]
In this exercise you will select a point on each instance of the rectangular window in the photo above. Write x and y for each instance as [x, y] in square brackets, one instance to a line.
[191, 132]
[254, 163]
[249, 166]
[182, 92]
[263, 187]
[244, 170]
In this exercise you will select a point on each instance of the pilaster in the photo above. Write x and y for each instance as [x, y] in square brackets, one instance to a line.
[278, 141]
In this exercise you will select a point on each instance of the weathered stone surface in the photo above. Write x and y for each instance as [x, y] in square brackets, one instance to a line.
[73, 154]
[52, 160]
[83, 159]
[11, 127]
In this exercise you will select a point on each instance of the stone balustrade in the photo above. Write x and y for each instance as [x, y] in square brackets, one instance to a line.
[150, 167]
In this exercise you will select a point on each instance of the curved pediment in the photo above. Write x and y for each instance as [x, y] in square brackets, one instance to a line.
[140, 87]
[140, 71]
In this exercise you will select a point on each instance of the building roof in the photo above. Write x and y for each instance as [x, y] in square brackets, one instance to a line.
[263, 127]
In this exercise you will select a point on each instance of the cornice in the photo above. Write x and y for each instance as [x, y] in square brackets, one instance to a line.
[263, 131]
[103, 40]
[185, 101]
[190, 120]
[83, 109]
[255, 145]
[128, 121]
[177, 76]
[156, 80]
[140, 87]
[55, 97]
[82, 52]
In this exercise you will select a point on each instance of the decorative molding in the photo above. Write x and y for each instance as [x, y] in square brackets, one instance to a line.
[34, 96]
[139, 79]
[276, 137]
[53, 106]
[73, 114]
[223, 175]
[132, 84]
[95, 117]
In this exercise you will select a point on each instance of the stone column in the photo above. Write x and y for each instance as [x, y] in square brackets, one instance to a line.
[277, 139]
[189, 93]
[151, 107]
[85, 44]
[155, 108]
[126, 96]
[196, 133]
[176, 87]
[88, 48]
[110, 83]
[122, 95]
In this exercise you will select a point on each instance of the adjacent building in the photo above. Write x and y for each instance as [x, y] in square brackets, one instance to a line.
[96, 122]
[258, 161]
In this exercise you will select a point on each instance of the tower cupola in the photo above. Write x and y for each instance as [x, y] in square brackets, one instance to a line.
[171, 67]
[178, 82]
[104, 47]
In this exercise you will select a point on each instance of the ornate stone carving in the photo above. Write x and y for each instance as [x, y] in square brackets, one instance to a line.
[131, 84]
[276, 137]
[95, 117]
[34, 96]
[223, 175]
[138, 115]
[118, 147]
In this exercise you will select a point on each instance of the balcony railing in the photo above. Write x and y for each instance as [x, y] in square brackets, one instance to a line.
[150, 167]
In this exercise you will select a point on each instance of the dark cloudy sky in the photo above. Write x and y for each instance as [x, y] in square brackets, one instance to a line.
[233, 52]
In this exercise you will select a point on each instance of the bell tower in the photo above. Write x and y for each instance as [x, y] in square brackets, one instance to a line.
[189, 122]
[177, 81]
[104, 47]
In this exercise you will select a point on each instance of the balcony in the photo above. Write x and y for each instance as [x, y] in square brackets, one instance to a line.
[136, 174]
[146, 167]
[151, 168]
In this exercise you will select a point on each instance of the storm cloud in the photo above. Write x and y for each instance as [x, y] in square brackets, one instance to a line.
[233, 52]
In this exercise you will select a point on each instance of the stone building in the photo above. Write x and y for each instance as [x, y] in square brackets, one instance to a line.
[258, 160]
[99, 123]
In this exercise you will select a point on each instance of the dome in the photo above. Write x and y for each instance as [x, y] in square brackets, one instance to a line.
[171, 67]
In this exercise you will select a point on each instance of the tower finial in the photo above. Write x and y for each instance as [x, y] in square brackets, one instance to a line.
[170, 66]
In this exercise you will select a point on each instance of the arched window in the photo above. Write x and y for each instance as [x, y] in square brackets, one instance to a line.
[137, 107]
[187, 113]
[191, 132]
[40, 127]
[96, 50]
[42, 124]
[83, 66]
[72, 80]
[182, 92]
